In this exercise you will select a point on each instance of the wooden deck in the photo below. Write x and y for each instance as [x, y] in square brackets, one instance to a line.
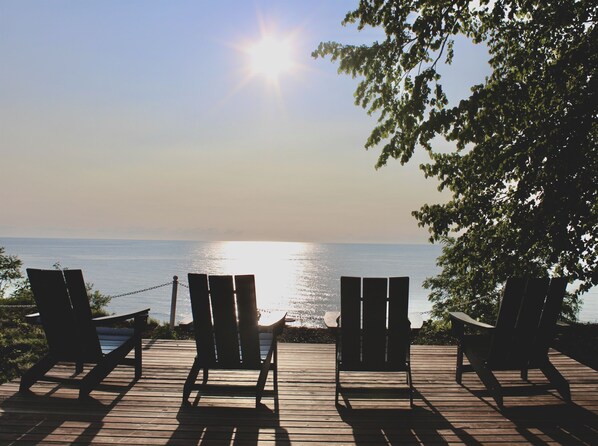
[150, 412]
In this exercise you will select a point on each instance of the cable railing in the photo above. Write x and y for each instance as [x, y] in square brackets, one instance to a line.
[175, 283]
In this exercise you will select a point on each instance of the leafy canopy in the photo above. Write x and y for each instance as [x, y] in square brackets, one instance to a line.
[523, 170]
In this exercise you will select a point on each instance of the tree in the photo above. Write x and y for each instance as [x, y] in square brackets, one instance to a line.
[523, 171]
[20, 343]
[10, 270]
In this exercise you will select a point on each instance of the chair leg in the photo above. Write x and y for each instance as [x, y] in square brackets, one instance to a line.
[138, 359]
[275, 374]
[98, 373]
[190, 381]
[36, 372]
[410, 382]
[488, 379]
[337, 381]
[275, 362]
[78, 367]
[524, 374]
[459, 368]
[261, 381]
[557, 380]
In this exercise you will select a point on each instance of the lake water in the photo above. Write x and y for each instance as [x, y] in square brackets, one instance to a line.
[300, 278]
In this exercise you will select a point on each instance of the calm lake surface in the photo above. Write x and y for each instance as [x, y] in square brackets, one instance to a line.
[300, 278]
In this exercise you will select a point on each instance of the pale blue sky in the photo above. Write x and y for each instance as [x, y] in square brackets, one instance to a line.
[139, 119]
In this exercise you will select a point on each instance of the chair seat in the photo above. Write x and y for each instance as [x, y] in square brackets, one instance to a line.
[479, 346]
[113, 338]
[111, 341]
[266, 340]
[363, 367]
[111, 331]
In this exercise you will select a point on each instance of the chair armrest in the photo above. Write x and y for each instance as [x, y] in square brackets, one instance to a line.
[461, 318]
[33, 318]
[564, 326]
[104, 320]
[272, 322]
[331, 319]
[416, 320]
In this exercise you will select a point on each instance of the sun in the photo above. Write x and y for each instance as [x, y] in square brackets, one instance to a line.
[270, 57]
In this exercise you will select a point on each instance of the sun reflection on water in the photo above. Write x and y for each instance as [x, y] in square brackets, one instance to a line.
[278, 268]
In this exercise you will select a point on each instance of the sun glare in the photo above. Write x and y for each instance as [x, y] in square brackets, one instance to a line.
[270, 57]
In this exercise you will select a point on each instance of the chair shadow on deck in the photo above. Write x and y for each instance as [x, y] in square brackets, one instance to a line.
[20, 424]
[568, 424]
[420, 424]
[228, 425]
[527, 388]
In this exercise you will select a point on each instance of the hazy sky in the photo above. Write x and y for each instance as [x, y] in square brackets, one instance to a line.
[143, 119]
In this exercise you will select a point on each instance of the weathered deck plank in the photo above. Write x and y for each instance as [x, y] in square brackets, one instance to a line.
[150, 412]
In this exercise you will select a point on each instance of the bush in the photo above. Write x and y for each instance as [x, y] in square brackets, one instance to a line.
[21, 344]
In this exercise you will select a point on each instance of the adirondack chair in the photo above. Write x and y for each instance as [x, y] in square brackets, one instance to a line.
[520, 340]
[373, 328]
[74, 336]
[227, 334]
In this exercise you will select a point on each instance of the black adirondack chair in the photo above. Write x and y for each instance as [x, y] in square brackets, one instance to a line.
[227, 333]
[74, 336]
[373, 328]
[520, 340]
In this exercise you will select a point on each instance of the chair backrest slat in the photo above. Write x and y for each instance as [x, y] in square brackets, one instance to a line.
[202, 318]
[508, 311]
[528, 320]
[351, 321]
[374, 321]
[57, 316]
[550, 314]
[398, 321]
[248, 323]
[222, 295]
[80, 302]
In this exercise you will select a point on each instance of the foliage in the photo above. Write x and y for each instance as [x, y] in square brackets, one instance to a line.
[97, 301]
[10, 270]
[523, 171]
[21, 344]
[434, 332]
[307, 335]
[164, 332]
